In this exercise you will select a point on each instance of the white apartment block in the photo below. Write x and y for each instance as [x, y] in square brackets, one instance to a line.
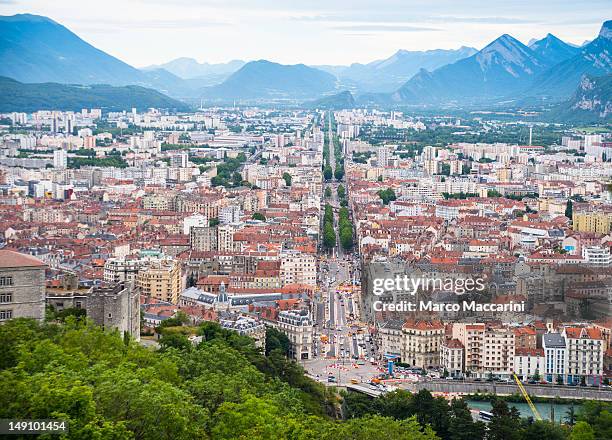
[555, 357]
[529, 363]
[596, 255]
[118, 270]
[585, 352]
[451, 357]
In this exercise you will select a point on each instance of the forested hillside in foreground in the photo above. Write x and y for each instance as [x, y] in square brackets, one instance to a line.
[111, 388]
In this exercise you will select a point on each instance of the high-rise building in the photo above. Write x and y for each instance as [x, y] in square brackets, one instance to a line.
[382, 156]
[60, 159]
[180, 160]
[68, 125]
[22, 286]
[89, 142]
[229, 214]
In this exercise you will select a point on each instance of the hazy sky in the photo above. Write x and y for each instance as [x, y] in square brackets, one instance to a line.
[143, 32]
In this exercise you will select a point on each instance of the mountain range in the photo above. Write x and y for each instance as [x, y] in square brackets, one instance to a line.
[189, 68]
[266, 80]
[388, 74]
[22, 97]
[35, 49]
[502, 68]
[591, 102]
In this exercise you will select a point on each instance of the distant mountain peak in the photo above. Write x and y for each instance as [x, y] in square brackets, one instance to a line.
[606, 30]
[552, 49]
[27, 17]
[502, 44]
[509, 53]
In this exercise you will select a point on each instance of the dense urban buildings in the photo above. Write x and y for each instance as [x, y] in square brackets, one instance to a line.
[232, 216]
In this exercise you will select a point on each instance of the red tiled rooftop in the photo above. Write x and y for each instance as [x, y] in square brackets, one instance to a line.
[11, 259]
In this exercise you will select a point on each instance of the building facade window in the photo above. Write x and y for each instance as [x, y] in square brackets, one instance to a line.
[6, 281]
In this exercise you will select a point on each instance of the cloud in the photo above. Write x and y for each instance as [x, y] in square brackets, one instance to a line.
[484, 20]
[383, 17]
[191, 23]
[384, 28]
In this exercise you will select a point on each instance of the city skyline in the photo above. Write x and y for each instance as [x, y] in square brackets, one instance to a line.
[157, 32]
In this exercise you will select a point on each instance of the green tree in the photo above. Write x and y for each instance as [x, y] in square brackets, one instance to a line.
[287, 178]
[598, 414]
[329, 236]
[174, 340]
[277, 340]
[339, 173]
[543, 430]
[214, 221]
[386, 195]
[582, 431]
[346, 238]
[569, 209]
[327, 172]
[462, 425]
[328, 192]
[504, 423]
[258, 216]
[377, 427]
[341, 191]
[570, 416]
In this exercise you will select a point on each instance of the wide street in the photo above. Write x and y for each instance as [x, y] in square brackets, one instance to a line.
[343, 346]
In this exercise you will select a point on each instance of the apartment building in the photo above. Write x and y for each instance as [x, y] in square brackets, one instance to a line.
[525, 338]
[489, 349]
[225, 238]
[592, 221]
[391, 339]
[472, 338]
[585, 353]
[203, 238]
[120, 270]
[597, 255]
[161, 279]
[555, 357]
[297, 325]
[498, 357]
[451, 357]
[22, 286]
[298, 268]
[529, 363]
[422, 342]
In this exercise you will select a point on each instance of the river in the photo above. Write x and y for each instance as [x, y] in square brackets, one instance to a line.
[560, 409]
